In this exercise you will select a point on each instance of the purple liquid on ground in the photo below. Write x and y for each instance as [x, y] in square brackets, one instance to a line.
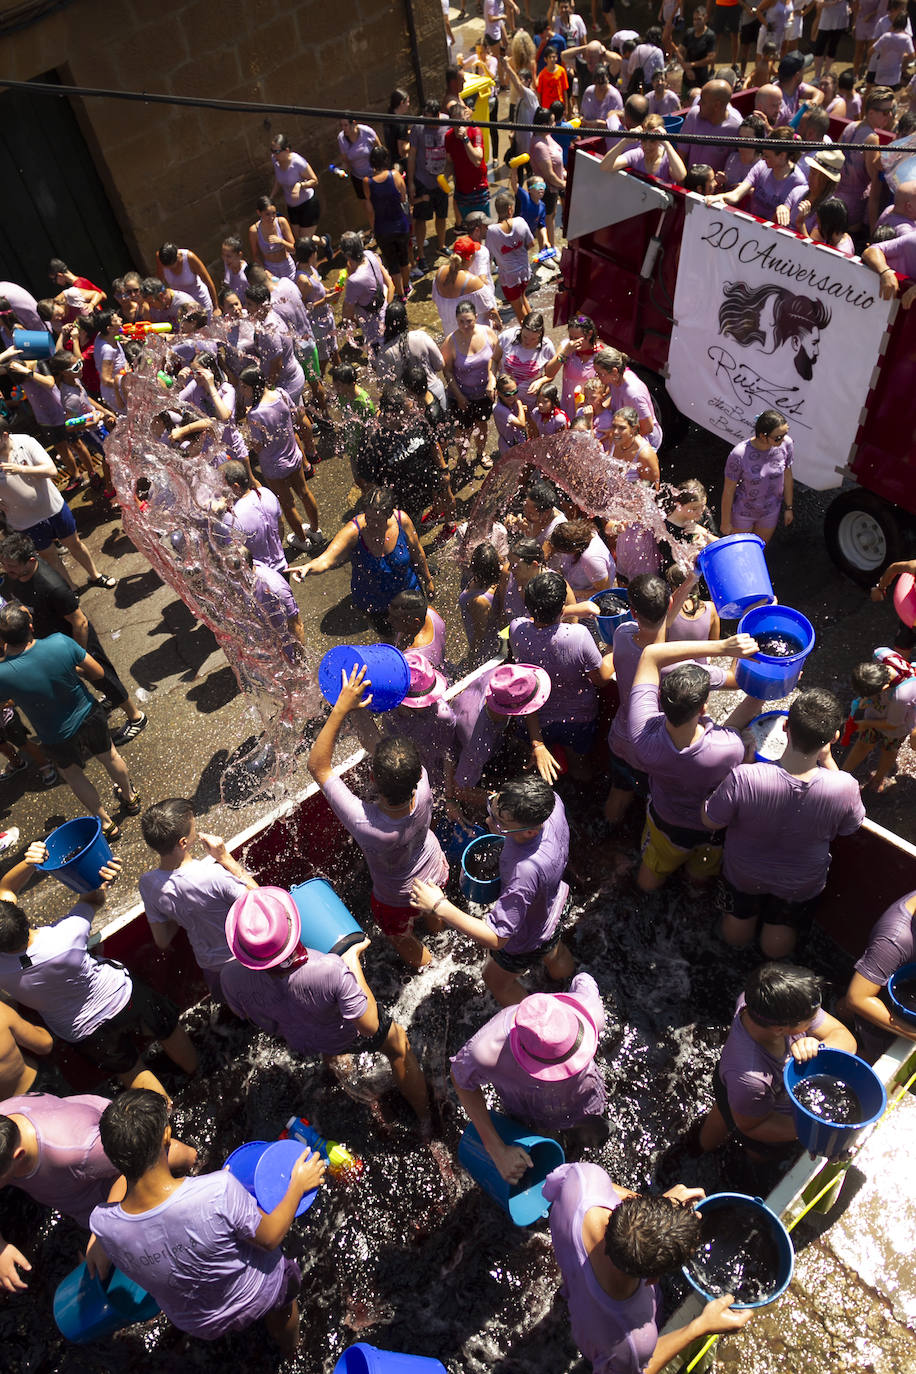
[830, 1099]
[738, 1254]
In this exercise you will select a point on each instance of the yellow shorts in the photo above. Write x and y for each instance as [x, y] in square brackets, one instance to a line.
[662, 856]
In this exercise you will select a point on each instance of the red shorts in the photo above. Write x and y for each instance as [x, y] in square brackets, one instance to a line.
[393, 920]
[512, 293]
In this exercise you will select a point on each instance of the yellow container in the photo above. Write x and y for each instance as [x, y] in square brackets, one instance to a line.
[519, 160]
[476, 93]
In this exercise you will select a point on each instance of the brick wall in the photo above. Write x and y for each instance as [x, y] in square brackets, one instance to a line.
[194, 175]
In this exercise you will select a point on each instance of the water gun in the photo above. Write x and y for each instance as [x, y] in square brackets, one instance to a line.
[519, 160]
[852, 723]
[546, 255]
[342, 1163]
[77, 421]
[141, 328]
[338, 171]
[573, 123]
[341, 280]
[578, 397]
[444, 184]
[165, 379]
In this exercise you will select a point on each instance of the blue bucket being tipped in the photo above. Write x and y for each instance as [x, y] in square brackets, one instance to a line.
[524, 1201]
[480, 890]
[901, 989]
[615, 607]
[759, 1218]
[765, 676]
[243, 1162]
[327, 925]
[85, 1309]
[736, 574]
[366, 1359]
[272, 1174]
[386, 668]
[33, 344]
[77, 852]
[770, 739]
[819, 1135]
[455, 837]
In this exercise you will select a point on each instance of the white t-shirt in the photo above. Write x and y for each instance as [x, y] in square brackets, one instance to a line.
[26, 500]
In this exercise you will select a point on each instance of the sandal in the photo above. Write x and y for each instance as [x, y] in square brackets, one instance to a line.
[129, 805]
[111, 832]
[47, 775]
[103, 580]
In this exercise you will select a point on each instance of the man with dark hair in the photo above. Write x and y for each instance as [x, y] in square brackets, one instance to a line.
[255, 513]
[612, 1247]
[45, 678]
[541, 511]
[163, 303]
[201, 1246]
[393, 831]
[55, 609]
[189, 893]
[522, 927]
[781, 819]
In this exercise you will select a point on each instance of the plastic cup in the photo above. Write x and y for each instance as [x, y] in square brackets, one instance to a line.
[905, 599]
[327, 925]
[243, 1161]
[765, 1218]
[906, 974]
[480, 890]
[272, 1174]
[33, 343]
[77, 852]
[386, 668]
[736, 574]
[523, 1201]
[764, 676]
[368, 1359]
[87, 1310]
[819, 1135]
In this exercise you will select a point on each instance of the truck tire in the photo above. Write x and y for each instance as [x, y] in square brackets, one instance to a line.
[864, 534]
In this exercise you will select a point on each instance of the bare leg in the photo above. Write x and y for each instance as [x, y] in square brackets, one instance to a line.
[300, 487]
[764, 532]
[858, 754]
[281, 489]
[886, 760]
[616, 805]
[560, 965]
[406, 1070]
[85, 791]
[116, 769]
[52, 557]
[141, 1077]
[738, 933]
[504, 986]
[647, 881]
[81, 554]
[411, 950]
[713, 1131]
[419, 234]
[283, 1326]
[777, 942]
[440, 234]
[180, 1049]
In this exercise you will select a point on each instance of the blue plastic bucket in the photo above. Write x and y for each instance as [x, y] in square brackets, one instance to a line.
[607, 624]
[762, 1216]
[455, 837]
[272, 1174]
[34, 343]
[762, 723]
[243, 1161]
[524, 1201]
[822, 1137]
[905, 974]
[673, 123]
[766, 677]
[77, 851]
[386, 668]
[736, 574]
[480, 890]
[327, 925]
[87, 1310]
[366, 1359]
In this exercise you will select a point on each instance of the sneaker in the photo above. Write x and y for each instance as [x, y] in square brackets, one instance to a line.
[47, 776]
[316, 540]
[12, 771]
[8, 838]
[130, 731]
[294, 542]
[419, 269]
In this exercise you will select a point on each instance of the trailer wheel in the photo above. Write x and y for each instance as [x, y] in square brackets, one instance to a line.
[864, 534]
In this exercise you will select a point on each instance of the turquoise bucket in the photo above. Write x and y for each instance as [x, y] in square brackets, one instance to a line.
[86, 1310]
[327, 925]
[524, 1201]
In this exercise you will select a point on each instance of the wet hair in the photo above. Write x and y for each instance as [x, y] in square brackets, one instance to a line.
[235, 474]
[832, 218]
[391, 399]
[485, 565]
[5, 307]
[503, 202]
[410, 602]
[15, 625]
[396, 321]
[254, 377]
[780, 994]
[379, 158]
[344, 374]
[351, 245]
[431, 109]
[690, 490]
[60, 363]
[878, 95]
[573, 536]
[757, 125]
[629, 416]
[541, 493]
[899, 22]
[783, 134]
[10, 1140]
[414, 379]
[697, 178]
[167, 254]
[868, 678]
[464, 308]
[549, 393]
[57, 266]
[152, 286]
[816, 122]
[768, 421]
[541, 117]
[883, 234]
[396, 98]
[195, 313]
[545, 597]
[306, 248]
[14, 928]
[380, 501]
[586, 324]
[846, 81]
[652, 1235]
[557, 108]
[257, 292]
[102, 319]
[396, 769]
[527, 551]
[684, 692]
[17, 547]
[906, 124]
[131, 1130]
[609, 358]
[815, 716]
[225, 292]
[165, 823]
[45, 309]
[649, 598]
[528, 799]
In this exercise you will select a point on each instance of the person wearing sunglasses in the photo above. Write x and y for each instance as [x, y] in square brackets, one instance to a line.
[522, 928]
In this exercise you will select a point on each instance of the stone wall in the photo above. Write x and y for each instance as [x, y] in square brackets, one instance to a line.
[193, 175]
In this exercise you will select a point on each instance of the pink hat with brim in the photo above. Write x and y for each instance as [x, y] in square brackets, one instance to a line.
[263, 927]
[553, 1036]
[426, 684]
[517, 689]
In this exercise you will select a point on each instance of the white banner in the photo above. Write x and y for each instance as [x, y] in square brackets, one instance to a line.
[763, 319]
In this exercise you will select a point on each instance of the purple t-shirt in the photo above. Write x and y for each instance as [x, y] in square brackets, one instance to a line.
[73, 1173]
[432, 729]
[618, 1337]
[272, 592]
[780, 827]
[533, 894]
[714, 157]
[594, 565]
[510, 251]
[286, 301]
[752, 1076]
[273, 339]
[358, 151]
[680, 780]
[900, 254]
[761, 478]
[397, 850]
[273, 434]
[257, 516]
[887, 57]
[195, 1254]
[632, 391]
[568, 654]
[591, 107]
[892, 941]
[901, 224]
[895, 707]
[487, 1058]
[363, 284]
[626, 660]
[477, 735]
[768, 191]
[312, 1009]
[635, 159]
[197, 896]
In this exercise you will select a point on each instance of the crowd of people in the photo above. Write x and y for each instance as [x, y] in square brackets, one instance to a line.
[258, 370]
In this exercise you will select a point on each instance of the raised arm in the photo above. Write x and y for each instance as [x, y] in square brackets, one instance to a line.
[355, 694]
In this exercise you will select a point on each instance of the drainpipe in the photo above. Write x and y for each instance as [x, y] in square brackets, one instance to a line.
[414, 49]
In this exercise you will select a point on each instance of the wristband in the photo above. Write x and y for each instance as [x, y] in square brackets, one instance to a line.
[787, 507]
[436, 905]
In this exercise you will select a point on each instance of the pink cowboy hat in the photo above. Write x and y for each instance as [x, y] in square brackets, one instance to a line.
[263, 927]
[426, 684]
[553, 1037]
[517, 689]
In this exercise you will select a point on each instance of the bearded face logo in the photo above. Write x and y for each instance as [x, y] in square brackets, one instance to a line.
[771, 319]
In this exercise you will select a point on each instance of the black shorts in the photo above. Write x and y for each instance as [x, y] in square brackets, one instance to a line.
[306, 215]
[477, 408]
[827, 43]
[357, 184]
[767, 908]
[431, 202]
[14, 732]
[395, 251]
[750, 31]
[550, 200]
[93, 737]
[775, 1149]
[55, 434]
[367, 1043]
[113, 1047]
[521, 963]
[726, 18]
[625, 778]
[607, 6]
